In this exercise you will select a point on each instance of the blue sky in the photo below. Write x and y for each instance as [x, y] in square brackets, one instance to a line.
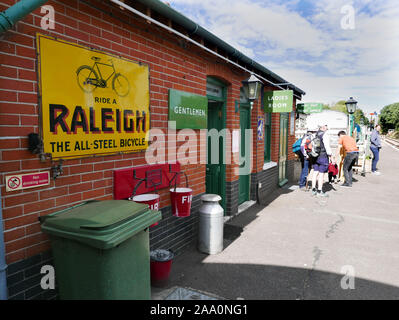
[304, 42]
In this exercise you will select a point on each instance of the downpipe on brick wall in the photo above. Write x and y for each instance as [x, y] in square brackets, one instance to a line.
[3, 266]
[18, 11]
[8, 19]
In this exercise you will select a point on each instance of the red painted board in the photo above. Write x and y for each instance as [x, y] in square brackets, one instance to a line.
[124, 182]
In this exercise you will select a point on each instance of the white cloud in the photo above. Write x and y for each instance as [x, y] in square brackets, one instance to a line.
[309, 48]
[372, 91]
[238, 21]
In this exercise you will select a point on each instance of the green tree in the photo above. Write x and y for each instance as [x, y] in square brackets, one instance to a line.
[360, 117]
[359, 114]
[389, 118]
[339, 106]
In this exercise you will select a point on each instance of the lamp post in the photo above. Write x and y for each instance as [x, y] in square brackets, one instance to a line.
[252, 87]
[351, 106]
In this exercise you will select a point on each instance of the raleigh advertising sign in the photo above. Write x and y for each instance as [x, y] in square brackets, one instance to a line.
[92, 103]
[278, 101]
[188, 110]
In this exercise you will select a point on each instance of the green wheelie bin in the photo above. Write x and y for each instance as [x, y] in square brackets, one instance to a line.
[101, 249]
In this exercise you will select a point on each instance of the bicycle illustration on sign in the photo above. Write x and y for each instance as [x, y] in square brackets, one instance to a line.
[89, 79]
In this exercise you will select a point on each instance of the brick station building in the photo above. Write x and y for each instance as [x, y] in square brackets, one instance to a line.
[180, 56]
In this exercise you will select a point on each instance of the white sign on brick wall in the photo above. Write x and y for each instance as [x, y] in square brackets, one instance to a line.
[26, 181]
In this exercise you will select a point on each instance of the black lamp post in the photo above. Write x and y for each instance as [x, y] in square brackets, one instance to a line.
[351, 106]
[252, 87]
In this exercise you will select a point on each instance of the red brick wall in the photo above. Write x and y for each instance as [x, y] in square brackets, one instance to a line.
[88, 178]
[275, 142]
[258, 146]
[171, 66]
[291, 137]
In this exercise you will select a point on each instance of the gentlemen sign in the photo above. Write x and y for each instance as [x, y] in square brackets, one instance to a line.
[278, 101]
[92, 102]
[188, 110]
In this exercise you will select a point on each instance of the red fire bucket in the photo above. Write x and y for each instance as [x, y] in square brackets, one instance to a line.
[181, 199]
[152, 199]
[160, 266]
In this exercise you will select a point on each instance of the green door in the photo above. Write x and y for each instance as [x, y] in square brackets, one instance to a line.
[245, 123]
[282, 161]
[215, 172]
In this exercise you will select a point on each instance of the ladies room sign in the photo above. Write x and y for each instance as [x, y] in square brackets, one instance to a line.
[278, 101]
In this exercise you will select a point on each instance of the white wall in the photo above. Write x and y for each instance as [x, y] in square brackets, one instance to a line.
[335, 120]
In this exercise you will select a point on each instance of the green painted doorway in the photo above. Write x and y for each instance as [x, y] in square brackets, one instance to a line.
[216, 170]
[282, 160]
[244, 179]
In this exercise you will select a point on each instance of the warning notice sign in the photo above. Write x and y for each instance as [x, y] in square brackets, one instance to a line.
[25, 181]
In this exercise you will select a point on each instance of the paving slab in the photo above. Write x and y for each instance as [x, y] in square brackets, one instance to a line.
[304, 247]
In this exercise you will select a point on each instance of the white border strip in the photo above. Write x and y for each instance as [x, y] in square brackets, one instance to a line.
[392, 146]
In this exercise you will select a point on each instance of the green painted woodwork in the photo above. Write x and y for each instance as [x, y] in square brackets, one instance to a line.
[244, 180]
[283, 149]
[278, 101]
[216, 172]
[188, 110]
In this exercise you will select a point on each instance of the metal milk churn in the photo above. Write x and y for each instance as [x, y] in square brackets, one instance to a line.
[211, 223]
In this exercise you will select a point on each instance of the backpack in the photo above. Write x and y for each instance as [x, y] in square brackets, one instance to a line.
[333, 168]
[316, 142]
[308, 144]
[297, 146]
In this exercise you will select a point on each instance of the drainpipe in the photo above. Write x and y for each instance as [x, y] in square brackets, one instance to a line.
[3, 266]
[17, 12]
[8, 19]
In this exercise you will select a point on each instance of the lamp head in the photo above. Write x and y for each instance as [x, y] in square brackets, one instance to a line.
[351, 105]
[252, 87]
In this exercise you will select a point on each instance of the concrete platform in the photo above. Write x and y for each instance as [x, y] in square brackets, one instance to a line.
[302, 247]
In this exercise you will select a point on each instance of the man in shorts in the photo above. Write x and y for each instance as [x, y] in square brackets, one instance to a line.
[320, 168]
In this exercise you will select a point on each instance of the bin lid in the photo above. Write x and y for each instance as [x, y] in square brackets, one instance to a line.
[211, 197]
[102, 224]
[161, 255]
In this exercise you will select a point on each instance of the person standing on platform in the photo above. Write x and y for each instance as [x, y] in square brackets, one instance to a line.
[321, 165]
[375, 148]
[352, 155]
[306, 161]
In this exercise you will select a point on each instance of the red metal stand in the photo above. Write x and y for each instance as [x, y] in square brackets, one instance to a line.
[144, 179]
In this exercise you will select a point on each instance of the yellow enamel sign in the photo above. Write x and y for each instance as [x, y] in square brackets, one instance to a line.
[92, 103]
